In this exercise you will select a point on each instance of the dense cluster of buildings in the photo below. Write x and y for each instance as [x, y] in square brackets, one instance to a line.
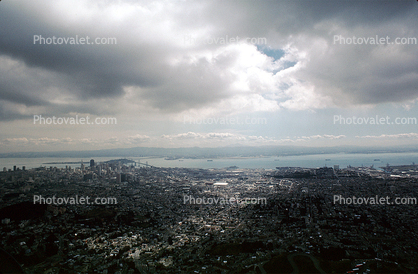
[141, 220]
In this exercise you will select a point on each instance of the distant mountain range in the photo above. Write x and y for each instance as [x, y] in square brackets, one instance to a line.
[198, 152]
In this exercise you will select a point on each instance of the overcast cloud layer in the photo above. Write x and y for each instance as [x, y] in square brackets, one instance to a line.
[274, 65]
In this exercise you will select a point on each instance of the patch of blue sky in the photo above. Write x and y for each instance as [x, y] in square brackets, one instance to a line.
[276, 54]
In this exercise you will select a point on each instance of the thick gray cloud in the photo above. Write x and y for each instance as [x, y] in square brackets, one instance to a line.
[349, 74]
[293, 17]
[172, 75]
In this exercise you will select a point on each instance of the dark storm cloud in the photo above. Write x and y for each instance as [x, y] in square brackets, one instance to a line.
[190, 86]
[91, 71]
[13, 94]
[100, 71]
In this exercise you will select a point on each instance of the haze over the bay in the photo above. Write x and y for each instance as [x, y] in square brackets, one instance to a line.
[208, 74]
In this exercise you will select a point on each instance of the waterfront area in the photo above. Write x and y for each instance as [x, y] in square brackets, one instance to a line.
[220, 161]
[279, 220]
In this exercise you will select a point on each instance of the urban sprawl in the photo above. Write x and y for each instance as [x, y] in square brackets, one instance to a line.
[285, 220]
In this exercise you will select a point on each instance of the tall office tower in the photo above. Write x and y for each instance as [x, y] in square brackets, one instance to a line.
[82, 165]
[100, 170]
[91, 163]
[14, 168]
[4, 169]
[118, 178]
[23, 168]
[123, 177]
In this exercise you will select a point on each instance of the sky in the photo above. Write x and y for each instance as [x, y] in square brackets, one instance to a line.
[186, 73]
